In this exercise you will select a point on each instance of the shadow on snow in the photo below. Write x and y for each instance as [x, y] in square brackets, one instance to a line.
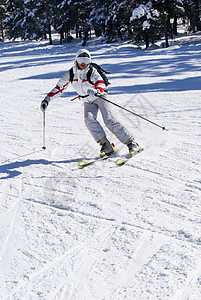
[11, 168]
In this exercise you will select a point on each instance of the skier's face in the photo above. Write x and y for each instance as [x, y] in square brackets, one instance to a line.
[83, 61]
[82, 66]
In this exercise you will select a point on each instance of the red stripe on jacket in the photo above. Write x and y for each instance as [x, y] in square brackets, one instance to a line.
[101, 89]
[59, 90]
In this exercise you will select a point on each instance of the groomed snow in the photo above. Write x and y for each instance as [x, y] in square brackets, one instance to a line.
[103, 232]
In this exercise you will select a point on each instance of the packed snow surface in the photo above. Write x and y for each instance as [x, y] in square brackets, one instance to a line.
[103, 232]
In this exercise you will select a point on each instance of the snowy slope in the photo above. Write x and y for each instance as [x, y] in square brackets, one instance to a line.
[104, 232]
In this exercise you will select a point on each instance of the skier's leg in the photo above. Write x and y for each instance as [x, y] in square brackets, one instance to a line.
[114, 126]
[90, 117]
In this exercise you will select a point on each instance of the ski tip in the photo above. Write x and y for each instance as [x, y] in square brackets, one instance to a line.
[120, 162]
[82, 164]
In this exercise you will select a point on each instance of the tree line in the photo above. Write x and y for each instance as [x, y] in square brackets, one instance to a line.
[133, 20]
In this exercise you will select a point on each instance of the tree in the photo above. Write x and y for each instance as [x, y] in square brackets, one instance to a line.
[102, 19]
[124, 11]
[169, 9]
[49, 7]
[140, 20]
[63, 19]
[32, 27]
[13, 19]
[2, 13]
[82, 23]
[29, 19]
[191, 8]
[146, 24]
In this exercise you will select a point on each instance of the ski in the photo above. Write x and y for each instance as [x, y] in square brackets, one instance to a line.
[120, 162]
[103, 156]
[82, 164]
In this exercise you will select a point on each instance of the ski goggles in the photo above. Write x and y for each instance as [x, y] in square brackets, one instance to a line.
[85, 60]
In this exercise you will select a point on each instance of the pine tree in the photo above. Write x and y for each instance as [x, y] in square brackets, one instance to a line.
[146, 24]
[123, 13]
[2, 14]
[32, 20]
[29, 19]
[169, 9]
[62, 19]
[191, 8]
[14, 18]
[102, 19]
[98, 17]
[83, 25]
[35, 19]
[49, 8]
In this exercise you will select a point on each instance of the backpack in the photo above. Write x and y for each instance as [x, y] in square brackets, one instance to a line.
[98, 68]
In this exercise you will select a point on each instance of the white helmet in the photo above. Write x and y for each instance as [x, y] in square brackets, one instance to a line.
[83, 55]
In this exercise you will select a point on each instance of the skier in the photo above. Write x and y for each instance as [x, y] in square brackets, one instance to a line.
[92, 103]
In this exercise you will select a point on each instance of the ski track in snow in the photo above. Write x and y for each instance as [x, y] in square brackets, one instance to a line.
[104, 232]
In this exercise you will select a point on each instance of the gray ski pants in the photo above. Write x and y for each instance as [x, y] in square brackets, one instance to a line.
[95, 128]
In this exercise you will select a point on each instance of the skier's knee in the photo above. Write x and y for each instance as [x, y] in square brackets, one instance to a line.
[110, 124]
[89, 119]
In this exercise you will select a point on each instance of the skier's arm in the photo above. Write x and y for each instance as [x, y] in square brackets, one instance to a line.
[99, 84]
[57, 91]
[60, 87]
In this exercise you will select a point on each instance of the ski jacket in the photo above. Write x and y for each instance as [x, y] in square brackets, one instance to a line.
[79, 83]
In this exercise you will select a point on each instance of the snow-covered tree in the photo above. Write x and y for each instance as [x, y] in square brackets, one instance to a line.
[102, 19]
[83, 26]
[123, 11]
[62, 18]
[2, 13]
[170, 10]
[14, 18]
[191, 8]
[32, 21]
[141, 20]
[146, 23]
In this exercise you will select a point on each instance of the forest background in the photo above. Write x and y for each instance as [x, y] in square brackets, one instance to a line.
[135, 21]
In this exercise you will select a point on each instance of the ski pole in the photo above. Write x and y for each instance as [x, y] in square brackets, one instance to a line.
[75, 98]
[44, 147]
[162, 127]
[79, 97]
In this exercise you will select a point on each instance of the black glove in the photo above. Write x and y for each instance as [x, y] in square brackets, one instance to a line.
[44, 103]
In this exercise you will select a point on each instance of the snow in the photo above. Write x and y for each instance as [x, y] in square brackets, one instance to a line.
[144, 10]
[103, 232]
[146, 25]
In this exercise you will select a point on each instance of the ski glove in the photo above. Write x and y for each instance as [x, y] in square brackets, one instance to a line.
[44, 103]
[92, 93]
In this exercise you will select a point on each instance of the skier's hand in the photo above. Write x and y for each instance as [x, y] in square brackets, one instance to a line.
[44, 103]
[92, 92]
[92, 95]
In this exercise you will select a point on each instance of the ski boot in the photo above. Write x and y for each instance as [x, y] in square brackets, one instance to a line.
[106, 147]
[133, 147]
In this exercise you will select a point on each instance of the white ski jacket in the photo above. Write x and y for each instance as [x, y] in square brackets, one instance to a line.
[80, 82]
